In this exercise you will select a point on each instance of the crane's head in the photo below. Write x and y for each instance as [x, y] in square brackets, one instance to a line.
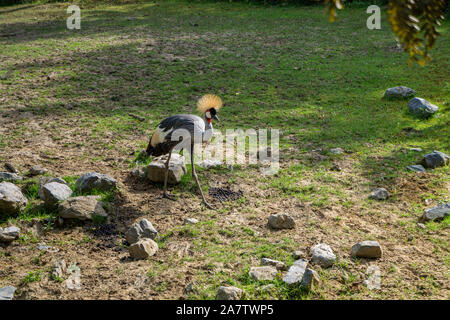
[209, 104]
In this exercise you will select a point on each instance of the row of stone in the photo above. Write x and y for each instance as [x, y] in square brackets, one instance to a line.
[299, 274]
[51, 190]
[417, 106]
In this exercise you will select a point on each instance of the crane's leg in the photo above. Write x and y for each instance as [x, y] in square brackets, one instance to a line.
[194, 174]
[166, 175]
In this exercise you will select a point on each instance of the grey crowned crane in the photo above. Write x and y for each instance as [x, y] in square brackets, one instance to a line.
[183, 131]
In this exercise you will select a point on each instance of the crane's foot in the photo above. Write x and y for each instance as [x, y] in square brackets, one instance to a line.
[168, 196]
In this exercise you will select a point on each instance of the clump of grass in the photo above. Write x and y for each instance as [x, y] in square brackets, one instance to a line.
[31, 277]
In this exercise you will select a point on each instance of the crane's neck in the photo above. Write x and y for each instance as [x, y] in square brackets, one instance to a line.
[208, 130]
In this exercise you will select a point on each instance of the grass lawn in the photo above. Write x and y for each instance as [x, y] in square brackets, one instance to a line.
[65, 100]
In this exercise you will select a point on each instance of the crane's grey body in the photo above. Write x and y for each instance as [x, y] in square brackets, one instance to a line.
[181, 131]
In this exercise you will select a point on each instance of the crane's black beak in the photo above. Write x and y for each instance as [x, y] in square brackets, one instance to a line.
[216, 118]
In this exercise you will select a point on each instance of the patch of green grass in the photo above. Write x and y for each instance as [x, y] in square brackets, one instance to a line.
[32, 276]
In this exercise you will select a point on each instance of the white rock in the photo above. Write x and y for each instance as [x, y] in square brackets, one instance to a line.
[295, 273]
[190, 221]
[9, 234]
[11, 199]
[7, 293]
[55, 192]
[143, 249]
[263, 273]
[323, 255]
[229, 293]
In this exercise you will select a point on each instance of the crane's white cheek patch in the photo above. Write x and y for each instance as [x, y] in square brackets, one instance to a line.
[208, 115]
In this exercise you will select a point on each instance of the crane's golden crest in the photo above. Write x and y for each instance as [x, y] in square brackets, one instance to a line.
[209, 101]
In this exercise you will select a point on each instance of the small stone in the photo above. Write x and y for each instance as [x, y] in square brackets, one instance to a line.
[11, 199]
[421, 226]
[55, 192]
[298, 255]
[189, 288]
[374, 278]
[295, 273]
[10, 167]
[8, 176]
[416, 149]
[310, 279]
[37, 170]
[263, 273]
[9, 234]
[190, 221]
[95, 181]
[210, 163]
[437, 213]
[143, 249]
[336, 150]
[281, 221]
[43, 247]
[399, 92]
[422, 107]
[367, 249]
[141, 230]
[229, 293]
[82, 208]
[274, 263]
[266, 287]
[379, 194]
[157, 168]
[336, 167]
[434, 160]
[323, 255]
[416, 168]
[7, 293]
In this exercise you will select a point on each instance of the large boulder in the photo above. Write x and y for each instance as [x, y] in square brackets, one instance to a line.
[11, 199]
[421, 107]
[95, 181]
[323, 255]
[82, 208]
[8, 176]
[55, 192]
[157, 168]
[143, 249]
[400, 92]
[141, 230]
